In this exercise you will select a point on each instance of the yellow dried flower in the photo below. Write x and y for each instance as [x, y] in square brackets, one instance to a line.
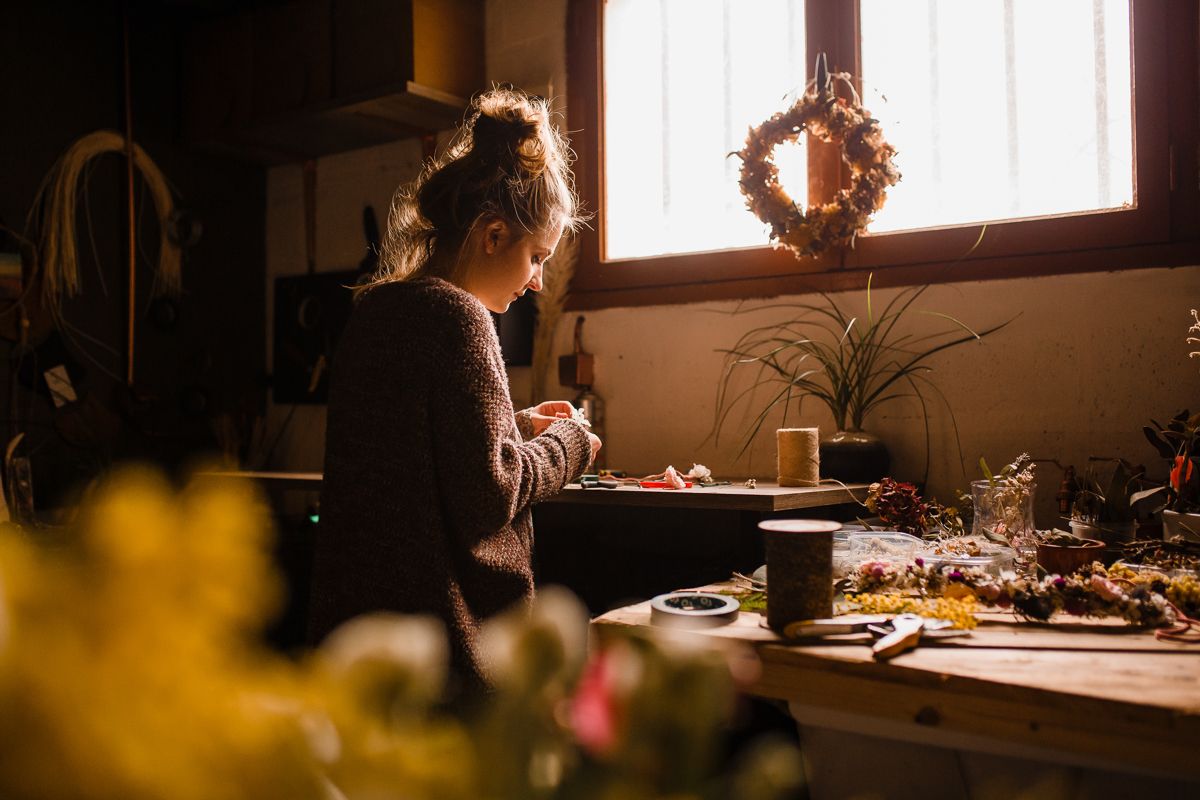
[960, 611]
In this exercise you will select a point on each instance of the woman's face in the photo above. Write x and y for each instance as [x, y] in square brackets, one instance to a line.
[509, 265]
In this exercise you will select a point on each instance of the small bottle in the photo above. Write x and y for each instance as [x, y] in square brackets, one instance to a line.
[1067, 490]
[592, 406]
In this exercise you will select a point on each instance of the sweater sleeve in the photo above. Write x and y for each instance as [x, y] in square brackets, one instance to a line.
[524, 419]
[477, 448]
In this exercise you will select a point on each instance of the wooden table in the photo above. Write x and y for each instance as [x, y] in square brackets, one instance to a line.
[612, 546]
[1096, 695]
[767, 497]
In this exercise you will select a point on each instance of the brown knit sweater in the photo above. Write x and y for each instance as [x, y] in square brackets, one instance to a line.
[428, 484]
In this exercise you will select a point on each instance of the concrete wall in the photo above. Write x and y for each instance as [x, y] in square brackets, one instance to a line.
[1088, 359]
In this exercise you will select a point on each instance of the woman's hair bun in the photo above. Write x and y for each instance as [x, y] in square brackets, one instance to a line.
[502, 135]
[506, 161]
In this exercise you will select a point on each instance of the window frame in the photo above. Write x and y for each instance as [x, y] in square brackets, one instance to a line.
[1163, 229]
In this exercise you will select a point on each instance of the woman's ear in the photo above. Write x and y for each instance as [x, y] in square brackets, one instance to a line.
[494, 235]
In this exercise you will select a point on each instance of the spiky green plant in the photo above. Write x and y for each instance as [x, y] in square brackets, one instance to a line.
[851, 364]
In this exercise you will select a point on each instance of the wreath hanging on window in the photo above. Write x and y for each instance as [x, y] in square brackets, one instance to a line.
[833, 119]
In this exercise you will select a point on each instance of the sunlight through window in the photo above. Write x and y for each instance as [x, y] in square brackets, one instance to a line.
[684, 80]
[1000, 109]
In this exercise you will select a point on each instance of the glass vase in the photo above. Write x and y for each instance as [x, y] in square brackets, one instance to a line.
[1004, 511]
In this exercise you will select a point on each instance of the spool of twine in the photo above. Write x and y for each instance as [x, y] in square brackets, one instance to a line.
[798, 456]
[799, 570]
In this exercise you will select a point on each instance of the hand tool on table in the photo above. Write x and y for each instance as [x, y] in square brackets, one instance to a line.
[597, 482]
[905, 635]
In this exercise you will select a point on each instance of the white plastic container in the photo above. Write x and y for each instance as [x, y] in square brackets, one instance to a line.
[891, 546]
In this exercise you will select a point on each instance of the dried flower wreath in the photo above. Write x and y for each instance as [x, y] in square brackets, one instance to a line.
[833, 119]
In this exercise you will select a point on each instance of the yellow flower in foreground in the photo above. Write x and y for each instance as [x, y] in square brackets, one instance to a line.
[131, 668]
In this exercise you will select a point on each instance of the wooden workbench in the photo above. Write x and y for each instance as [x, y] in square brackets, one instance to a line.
[767, 497]
[1098, 695]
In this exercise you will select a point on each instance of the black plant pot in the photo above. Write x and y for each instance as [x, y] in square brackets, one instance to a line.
[854, 457]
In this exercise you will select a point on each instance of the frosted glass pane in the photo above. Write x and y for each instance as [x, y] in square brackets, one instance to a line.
[1000, 108]
[684, 80]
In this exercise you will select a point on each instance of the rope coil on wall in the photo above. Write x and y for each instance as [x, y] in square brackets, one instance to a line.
[55, 203]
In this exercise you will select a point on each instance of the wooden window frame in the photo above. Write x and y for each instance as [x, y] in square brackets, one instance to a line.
[1163, 230]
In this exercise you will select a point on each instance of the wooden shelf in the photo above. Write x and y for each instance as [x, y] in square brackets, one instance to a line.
[304, 78]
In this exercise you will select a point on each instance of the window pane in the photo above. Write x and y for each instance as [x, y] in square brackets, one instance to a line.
[1000, 108]
[683, 82]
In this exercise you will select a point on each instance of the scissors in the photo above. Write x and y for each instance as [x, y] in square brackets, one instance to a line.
[904, 634]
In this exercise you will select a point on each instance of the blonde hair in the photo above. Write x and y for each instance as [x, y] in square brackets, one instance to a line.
[506, 162]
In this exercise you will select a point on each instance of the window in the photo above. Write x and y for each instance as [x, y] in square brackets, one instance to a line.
[1062, 132]
[1029, 115]
[683, 81]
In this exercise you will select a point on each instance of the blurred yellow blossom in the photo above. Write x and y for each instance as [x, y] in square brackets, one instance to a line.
[131, 667]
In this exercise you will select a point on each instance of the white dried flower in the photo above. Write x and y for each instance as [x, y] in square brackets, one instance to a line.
[701, 472]
[410, 650]
[507, 641]
[1194, 329]
[672, 477]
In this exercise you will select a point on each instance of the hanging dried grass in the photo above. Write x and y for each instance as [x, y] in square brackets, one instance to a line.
[556, 285]
[54, 212]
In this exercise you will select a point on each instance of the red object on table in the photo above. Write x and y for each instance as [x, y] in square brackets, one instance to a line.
[662, 485]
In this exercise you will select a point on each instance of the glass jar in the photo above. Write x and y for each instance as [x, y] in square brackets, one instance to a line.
[1004, 511]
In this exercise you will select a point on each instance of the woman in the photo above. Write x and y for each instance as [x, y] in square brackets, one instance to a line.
[429, 474]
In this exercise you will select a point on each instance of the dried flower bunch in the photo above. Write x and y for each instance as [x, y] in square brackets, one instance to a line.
[1091, 592]
[1163, 556]
[960, 611]
[1196, 330]
[1007, 498]
[823, 115]
[899, 506]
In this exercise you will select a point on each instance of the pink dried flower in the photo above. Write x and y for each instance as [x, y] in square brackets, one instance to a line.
[989, 592]
[1106, 588]
[594, 709]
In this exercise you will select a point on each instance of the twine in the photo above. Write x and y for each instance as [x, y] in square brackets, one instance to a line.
[56, 198]
[798, 457]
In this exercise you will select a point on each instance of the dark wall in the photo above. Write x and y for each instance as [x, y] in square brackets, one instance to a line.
[198, 361]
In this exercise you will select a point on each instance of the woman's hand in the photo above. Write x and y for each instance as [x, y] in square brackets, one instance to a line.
[596, 444]
[545, 413]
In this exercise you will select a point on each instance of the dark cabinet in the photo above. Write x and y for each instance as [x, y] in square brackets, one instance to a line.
[289, 81]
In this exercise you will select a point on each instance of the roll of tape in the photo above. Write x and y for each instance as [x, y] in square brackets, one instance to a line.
[693, 609]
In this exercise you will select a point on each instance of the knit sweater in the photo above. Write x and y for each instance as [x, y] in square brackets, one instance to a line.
[425, 506]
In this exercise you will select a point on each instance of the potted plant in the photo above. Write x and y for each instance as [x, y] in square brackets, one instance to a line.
[1104, 505]
[851, 363]
[1179, 443]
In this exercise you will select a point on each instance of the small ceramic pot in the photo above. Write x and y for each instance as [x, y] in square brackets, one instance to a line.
[1065, 559]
